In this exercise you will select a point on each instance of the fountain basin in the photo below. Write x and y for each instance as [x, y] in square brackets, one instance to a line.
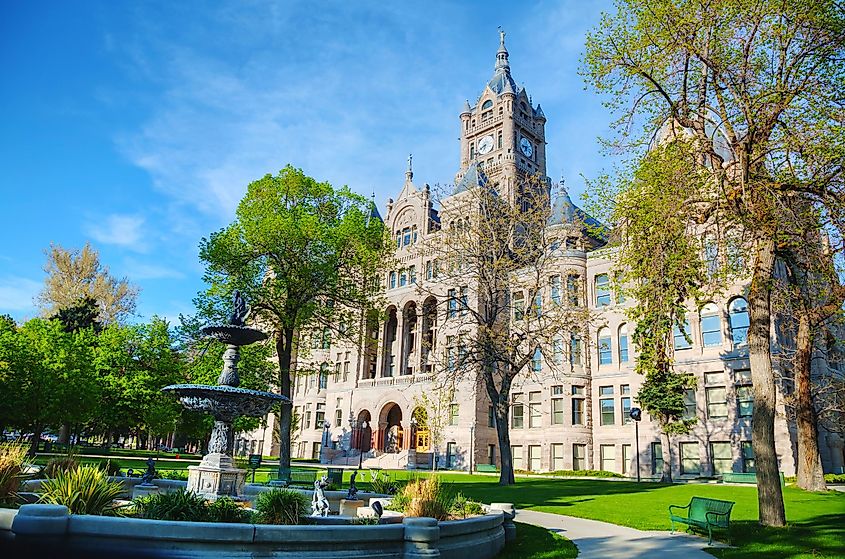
[234, 335]
[225, 402]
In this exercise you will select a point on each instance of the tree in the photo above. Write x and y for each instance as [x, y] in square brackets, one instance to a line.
[758, 86]
[495, 260]
[73, 275]
[81, 315]
[301, 252]
[431, 412]
[658, 264]
[49, 374]
[814, 293]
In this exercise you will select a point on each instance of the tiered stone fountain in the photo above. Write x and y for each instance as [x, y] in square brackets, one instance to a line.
[217, 474]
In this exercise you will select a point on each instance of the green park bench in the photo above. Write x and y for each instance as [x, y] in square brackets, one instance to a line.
[291, 477]
[734, 477]
[705, 514]
[486, 468]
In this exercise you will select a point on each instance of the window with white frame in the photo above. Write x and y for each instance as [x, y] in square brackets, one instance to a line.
[557, 457]
[534, 458]
[623, 343]
[607, 454]
[516, 456]
[517, 412]
[690, 458]
[579, 405]
[711, 325]
[535, 417]
[721, 460]
[554, 289]
[602, 284]
[579, 456]
[605, 346]
[557, 405]
[606, 406]
[739, 321]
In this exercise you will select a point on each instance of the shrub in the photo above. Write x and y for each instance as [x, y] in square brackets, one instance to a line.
[177, 505]
[381, 483]
[180, 475]
[427, 497]
[12, 456]
[111, 467]
[834, 478]
[463, 507]
[83, 490]
[226, 509]
[281, 506]
[577, 473]
[60, 464]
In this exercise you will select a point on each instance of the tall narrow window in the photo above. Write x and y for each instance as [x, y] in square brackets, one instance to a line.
[453, 303]
[403, 277]
[537, 308]
[579, 457]
[557, 405]
[578, 405]
[625, 389]
[689, 404]
[606, 406]
[534, 458]
[537, 361]
[574, 349]
[557, 457]
[738, 317]
[516, 456]
[721, 460]
[454, 414]
[744, 400]
[412, 274]
[517, 412]
[711, 326]
[534, 414]
[602, 290]
[605, 347]
[406, 236]
[690, 459]
[429, 270]
[623, 343]
[392, 280]
[607, 452]
[573, 289]
[748, 464]
[557, 350]
[554, 288]
[656, 458]
[464, 300]
[518, 305]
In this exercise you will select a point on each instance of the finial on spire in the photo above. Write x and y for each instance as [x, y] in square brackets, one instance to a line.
[502, 53]
[409, 174]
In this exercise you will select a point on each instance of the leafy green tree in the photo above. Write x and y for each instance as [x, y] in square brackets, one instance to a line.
[301, 252]
[658, 264]
[758, 86]
[81, 315]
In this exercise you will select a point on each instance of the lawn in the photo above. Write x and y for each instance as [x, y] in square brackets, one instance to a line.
[533, 542]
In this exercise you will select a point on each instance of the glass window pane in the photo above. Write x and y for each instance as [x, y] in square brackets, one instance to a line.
[711, 330]
[690, 460]
[602, 290]
[681, 341]
[717, 404]
[607, 415]
[720, 454]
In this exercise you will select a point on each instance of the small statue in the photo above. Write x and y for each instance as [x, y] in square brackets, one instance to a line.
[352, 494]
[148, 476]
[239, 310]
[319, 502]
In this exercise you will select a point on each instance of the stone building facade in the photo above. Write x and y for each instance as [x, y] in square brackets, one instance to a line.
[572, 411]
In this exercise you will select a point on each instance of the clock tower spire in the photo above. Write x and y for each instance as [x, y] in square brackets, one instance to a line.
[503, 134]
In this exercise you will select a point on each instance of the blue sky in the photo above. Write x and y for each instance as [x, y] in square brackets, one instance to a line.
[137, 125]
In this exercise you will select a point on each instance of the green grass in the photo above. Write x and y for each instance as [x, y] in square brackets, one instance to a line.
[533, 542]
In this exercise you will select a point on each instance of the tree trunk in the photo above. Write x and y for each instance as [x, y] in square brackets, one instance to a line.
[64, 434]
[37, 429]
[810, 473]
[506, 473]
[666, 451]
[769, 494]
[284, 351]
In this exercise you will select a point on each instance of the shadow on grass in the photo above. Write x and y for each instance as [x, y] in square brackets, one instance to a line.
[533, 542]
[823, 537]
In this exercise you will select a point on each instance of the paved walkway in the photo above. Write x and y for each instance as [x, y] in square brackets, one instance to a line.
[600, 540]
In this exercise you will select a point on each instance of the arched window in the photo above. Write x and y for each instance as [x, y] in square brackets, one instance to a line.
[623, 343]
[711, 325]
[681, 341]
[403, 277]
[605, 347]
[487, 104]
[738, 317]
[392, 280]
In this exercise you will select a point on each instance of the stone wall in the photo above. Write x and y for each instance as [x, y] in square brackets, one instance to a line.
[51, 528]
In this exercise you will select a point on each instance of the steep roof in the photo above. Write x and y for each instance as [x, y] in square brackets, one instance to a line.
[565, 212]
[473, 177]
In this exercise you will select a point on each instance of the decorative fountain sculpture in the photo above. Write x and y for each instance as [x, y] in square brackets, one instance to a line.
[217, 474]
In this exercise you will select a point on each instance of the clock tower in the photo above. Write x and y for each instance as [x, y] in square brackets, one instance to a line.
[502, 136]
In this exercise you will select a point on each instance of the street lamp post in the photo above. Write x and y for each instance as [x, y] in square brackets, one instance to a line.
[326, 426]
[361, 429]
[637, 415]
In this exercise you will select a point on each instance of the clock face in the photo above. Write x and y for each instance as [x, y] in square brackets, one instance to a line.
[526, 147]
[485, 144]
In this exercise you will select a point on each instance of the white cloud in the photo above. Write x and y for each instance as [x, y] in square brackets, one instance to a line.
[120, 229]
[17, 293]
[137, 270]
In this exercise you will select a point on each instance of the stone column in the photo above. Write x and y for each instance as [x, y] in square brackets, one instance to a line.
[509, 513]
[421, 538]
[398, 347]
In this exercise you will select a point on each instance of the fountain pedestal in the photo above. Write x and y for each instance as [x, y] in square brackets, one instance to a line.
[216, 476]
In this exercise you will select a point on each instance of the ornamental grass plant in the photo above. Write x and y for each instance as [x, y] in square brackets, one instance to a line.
[12, 456]
[60, 464]
[282, 506]
[176, 505]
[83, 490]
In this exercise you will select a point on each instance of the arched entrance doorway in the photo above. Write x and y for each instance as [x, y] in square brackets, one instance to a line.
[391, 423]
[363, 432]
[420, 435]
